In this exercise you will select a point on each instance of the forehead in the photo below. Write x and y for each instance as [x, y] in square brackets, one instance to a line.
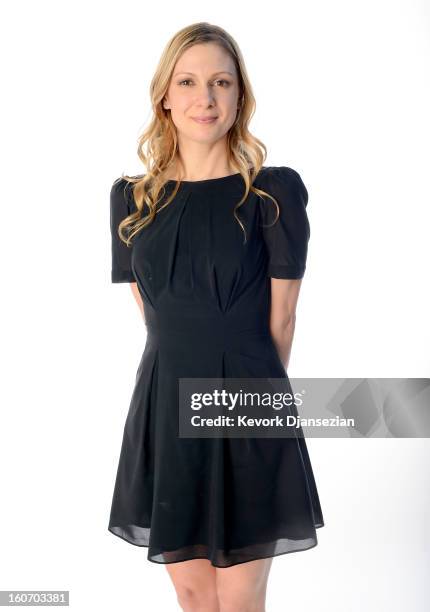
[205, 59]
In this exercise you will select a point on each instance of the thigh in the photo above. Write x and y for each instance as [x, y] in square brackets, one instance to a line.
[193, 578]
[195, 571]
[244, 582]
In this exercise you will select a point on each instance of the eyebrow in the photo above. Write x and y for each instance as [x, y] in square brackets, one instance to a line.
[215, 73]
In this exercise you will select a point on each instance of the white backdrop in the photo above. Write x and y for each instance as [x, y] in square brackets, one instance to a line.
[342, 95]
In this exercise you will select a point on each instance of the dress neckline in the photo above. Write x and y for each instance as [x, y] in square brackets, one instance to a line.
[210, 180]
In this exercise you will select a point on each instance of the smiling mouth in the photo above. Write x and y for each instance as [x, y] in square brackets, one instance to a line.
[205, 120]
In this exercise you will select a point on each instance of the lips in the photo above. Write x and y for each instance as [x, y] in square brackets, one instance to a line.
[204, 120]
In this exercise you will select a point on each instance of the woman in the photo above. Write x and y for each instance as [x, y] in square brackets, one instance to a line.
[214, 245]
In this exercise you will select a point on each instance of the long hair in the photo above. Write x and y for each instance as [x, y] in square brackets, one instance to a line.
[158, 144]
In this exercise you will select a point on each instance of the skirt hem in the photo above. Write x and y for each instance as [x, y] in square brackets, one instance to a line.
[313, 544]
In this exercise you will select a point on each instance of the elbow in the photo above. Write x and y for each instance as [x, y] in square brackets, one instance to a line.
[284, 326]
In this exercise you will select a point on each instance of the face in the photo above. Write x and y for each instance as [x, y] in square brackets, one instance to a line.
[204, 84]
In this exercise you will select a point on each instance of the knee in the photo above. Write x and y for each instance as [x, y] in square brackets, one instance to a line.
[196, 600]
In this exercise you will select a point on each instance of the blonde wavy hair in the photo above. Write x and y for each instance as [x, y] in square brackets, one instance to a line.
[158, 144]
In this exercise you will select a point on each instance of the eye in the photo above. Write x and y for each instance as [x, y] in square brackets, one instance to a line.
[227, 83]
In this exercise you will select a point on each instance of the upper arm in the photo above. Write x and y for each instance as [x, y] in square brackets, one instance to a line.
[286, 240]
[120, 208]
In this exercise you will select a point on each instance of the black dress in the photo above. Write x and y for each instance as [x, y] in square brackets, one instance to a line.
[206, 298]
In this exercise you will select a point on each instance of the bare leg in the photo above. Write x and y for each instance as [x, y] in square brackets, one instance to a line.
[195, 585]
[242, 588]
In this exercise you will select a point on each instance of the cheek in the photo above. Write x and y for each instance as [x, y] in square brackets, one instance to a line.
[179, 110]
[229, 102]
[179, 100]
[230, 111]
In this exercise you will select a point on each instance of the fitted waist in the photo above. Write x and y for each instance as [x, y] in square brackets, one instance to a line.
[213, 326]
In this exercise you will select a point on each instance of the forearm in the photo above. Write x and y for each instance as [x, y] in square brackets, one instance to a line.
[139, 301]
[283, 335]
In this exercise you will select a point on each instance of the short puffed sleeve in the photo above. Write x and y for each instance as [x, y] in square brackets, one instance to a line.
[120, 208]
[287, 239]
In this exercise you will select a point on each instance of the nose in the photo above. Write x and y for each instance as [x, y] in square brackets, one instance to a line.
[204, 96]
